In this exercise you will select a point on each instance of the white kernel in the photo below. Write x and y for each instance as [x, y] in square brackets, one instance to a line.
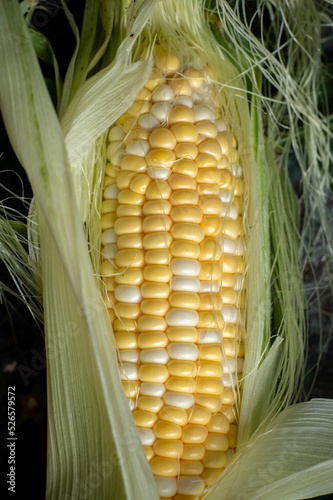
[221, 125]
[131, 403]
[203, 112]
[237, 170]
[190, 485]
[148, 121]
[238, 282]
[183, 351]
[229, 379]
[230, 314]
[179, 399]
[128, 293]
[110, 251]
[159, 356]
[207, 336]
[229, 211]
[152, 389]
[146, 435]
[109, 236]
[232, 365]
[166, 486]
[182, 317]
[209, 286]
[128, 371]
[226, 196]
[181, 284]
[161, 111]
[111, 192]
[113, 147]
[163, 93]
[228, 245]
[116, 133]
[240, 246]
[185, 267]
[183, 101]
[159, 173]
[129, 355]
[138, 148]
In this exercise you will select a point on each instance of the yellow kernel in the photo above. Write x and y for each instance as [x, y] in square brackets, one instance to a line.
[149, 403]
[130, 241]
[186, 150]
[210, 386]
[168, 448]
[136, 134]
[149, 452]
[152, 340]
[127, 225]
[156, 307]
[211, 403]
[208, 176]
[210, 320]
[155, 80]
[178, 181]
[124, 179]
[210, 475]
[144, 418]
[138, 108]
[167, 62]
[181, 114]
[150, 372]
[232, 264]
[210, 369]
[140, 183]
[185, 132]
[184, 198]
[208, 190]
[143, 94]
[131, 163]
[193, 452]
[206, 161]
[129, 211]
[228, 411]
[129, 276]
[165, 467]
[109, 206]
[148, 323]
[110, 284]
[207, 128]
[216, 442]
[128, 311]
[226, 142]
[194, 434]
[210, 205]
[178, 384]
[185, 249]
[215, 459]
[157, 207]
[211, 147]
[199, 415]
[239, 188]
[131, 388]
[107, 221]
[108, 181]
[182, 334]
[185, 167]
[158, 190]
[172, 414]
[229, 296]
[210, 250]
[191, 467]
[159, 257]
[187, 231]
[155, 241]
[181, 86]
[210, 302]
[155, 223]
[186, 300]
[194, 77]
[166, 430]
[226, 179]
[210, 271]
[212, 225]
[130, 258]
[228, 396]
[128, 197]
[232, 228]
[186, 213]
[126, 340]
[107, 268]
[161, 274]
[219, 424]
[161, 158]
[129, 123]
[162, 138]
[111, 170]
[211, 352]
[181, 368]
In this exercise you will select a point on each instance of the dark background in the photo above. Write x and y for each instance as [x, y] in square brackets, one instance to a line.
[22, 356]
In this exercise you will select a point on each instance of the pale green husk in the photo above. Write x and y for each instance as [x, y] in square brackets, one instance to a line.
[93, 447]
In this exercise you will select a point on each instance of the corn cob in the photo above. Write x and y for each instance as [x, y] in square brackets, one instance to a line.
[173, 266]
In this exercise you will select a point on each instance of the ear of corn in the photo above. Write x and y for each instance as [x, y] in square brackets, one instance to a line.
[95, 420]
